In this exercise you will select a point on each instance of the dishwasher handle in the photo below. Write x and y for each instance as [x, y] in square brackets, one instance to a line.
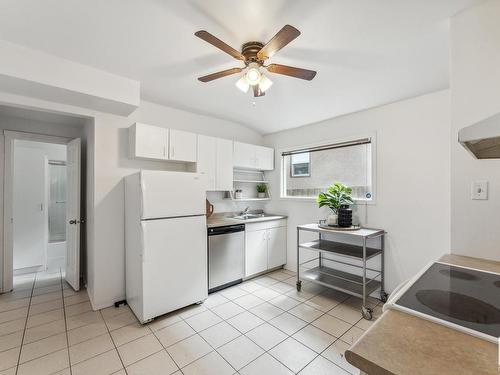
[226, 230]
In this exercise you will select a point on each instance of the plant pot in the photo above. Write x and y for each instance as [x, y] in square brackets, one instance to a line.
[261, 195]
[345, 217]
[332, 219]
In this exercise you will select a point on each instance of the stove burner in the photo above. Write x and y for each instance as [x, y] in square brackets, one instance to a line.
[497, 283]
[459, 306]
[454, 274]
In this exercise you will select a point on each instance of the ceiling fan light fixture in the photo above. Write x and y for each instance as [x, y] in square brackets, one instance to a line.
[243, 84]
[265, 83]
[253, 74]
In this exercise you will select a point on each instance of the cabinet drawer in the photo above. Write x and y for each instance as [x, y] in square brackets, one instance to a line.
[251, 227]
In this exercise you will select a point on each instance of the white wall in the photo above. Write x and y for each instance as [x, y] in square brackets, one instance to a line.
[475, 95]
[413, 180]
[30, 192]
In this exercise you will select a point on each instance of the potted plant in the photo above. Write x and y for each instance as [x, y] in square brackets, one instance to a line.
[337, 197]
[261, 190]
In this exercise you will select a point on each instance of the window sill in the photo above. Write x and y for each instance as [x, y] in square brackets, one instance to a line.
[360, 202]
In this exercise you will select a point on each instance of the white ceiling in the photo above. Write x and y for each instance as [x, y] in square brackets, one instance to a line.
[366, 52]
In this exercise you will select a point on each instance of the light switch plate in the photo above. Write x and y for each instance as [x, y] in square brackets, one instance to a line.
[479, 190]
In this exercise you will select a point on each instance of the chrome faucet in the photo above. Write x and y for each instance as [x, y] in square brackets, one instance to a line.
[245, 211]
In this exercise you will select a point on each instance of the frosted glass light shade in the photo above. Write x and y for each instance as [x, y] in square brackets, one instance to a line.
[243, 84]
[265, 83]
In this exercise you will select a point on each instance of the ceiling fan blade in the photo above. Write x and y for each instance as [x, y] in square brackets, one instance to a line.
[291, 71]
[257, 91]
[216, 42]
[222, 73]
[281, 39]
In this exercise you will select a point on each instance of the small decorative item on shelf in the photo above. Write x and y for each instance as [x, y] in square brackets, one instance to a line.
[345, 217]
[238, 194]
[337, 198]
[261, 190]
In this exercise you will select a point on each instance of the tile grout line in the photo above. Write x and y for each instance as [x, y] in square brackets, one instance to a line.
[113, 341]
[25, 324]
[214, 349]
[65, 322]
[165, 348]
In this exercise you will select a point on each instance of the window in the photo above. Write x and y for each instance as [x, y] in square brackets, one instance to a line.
[300, 165]
[349, 162]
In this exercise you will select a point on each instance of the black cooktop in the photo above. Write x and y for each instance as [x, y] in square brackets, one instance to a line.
[462, 296]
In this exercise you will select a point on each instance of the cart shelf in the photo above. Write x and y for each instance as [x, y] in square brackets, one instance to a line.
[339, 280]
[340, 248]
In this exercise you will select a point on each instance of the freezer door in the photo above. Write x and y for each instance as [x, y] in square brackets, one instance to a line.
[171, 194]
[174, 264]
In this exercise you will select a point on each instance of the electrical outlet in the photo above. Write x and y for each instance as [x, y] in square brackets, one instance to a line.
[479, 190]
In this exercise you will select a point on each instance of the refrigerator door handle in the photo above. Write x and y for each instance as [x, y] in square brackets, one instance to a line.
[143, 241]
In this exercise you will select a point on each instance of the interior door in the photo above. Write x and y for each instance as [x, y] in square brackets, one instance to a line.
[73, 221]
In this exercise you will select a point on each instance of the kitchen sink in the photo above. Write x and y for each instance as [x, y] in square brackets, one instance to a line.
[248, 216]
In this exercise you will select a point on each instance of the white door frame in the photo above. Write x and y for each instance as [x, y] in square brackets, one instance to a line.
[8, 245]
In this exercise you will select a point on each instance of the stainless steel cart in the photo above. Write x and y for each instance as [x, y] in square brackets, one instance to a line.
[356, 251]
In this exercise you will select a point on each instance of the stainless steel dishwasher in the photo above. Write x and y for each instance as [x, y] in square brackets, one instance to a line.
[226, 256]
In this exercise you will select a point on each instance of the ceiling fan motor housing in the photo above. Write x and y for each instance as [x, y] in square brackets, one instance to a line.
[249, 50]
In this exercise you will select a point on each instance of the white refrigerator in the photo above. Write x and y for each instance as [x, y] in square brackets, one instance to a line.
[166, 242]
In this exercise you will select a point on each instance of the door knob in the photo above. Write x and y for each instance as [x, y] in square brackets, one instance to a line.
[74, 221]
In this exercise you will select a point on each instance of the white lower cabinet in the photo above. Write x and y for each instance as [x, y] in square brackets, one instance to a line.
[255, 252]
[276, 247]
[265, 246]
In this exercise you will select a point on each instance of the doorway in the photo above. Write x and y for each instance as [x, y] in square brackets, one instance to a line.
[39, 199]
[42, 206]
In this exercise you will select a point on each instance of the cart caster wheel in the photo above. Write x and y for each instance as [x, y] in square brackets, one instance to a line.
[367, 313]
[299, 286]
[383, 296]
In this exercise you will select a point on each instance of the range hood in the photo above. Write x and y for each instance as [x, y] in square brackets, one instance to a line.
[483, 138]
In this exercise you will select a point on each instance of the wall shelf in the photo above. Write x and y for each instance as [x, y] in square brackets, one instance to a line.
[251, 181]
[249, 199]
[246, 181]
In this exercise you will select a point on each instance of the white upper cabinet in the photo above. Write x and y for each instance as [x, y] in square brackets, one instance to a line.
[207, 159]
[249, 156]
[244, 155]
[264, 158]
[148, 142]
[224, 166]
[215, 159]
[182, 146]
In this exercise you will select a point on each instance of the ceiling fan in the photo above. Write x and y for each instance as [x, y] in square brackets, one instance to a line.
[254, 54]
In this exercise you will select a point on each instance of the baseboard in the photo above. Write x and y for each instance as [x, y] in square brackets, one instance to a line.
[25, 270]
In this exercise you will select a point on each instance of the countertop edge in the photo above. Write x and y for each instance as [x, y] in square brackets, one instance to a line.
[226, 221]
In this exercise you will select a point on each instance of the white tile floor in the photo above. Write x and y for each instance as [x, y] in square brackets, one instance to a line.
[263, 326]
